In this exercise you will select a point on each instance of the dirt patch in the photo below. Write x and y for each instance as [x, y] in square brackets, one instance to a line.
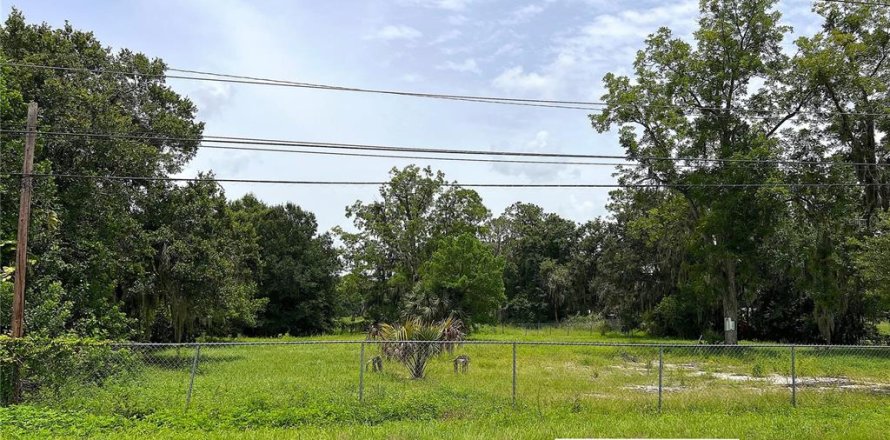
[689, 366]
[825, 383]
[630, 368]
[654, 388]
[818, 383]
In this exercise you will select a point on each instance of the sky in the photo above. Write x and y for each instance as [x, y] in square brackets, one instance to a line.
[544, 49]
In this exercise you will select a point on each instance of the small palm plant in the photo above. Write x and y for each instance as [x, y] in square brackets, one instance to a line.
[414, 342]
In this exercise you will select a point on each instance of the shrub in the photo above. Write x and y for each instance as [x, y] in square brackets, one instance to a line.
[49, 366]
[674, 316]
[414, 342]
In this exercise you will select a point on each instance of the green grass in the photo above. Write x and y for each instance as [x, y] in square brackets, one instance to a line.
[311, 391]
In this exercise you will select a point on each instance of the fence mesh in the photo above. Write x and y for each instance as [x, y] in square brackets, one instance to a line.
[140, 379]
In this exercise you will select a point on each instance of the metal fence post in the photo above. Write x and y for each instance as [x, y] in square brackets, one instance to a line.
[188, 396]
[514, 374]
[361, 373]
[660, 374]
[793, 379]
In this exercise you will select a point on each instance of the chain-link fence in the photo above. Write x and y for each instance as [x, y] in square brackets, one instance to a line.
[136, 379]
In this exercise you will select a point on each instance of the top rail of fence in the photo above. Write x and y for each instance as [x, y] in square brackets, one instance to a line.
[494, 342]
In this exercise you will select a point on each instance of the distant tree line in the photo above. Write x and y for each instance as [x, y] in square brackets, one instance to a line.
[154, 260]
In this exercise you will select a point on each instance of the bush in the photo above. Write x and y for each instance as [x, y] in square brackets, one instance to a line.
[673, 316]
[521, 310]
[47, 367]
[414, 342]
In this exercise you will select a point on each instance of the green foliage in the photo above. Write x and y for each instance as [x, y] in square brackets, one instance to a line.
[872, 261]
[781, 254]
[296, 269]
[713, 75]
[399, 233]
[86, 234]
[462, 277]
[200, 278]
[529, 239]
[415, 341]
[150, 260]
[50, 367]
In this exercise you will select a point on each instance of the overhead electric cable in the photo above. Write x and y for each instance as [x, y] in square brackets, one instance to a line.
[433, 158]
[563, 104]
[450, 184]
[236, 79]
[855, 2]
[370, 147]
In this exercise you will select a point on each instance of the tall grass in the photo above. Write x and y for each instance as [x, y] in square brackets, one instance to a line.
[311, 391]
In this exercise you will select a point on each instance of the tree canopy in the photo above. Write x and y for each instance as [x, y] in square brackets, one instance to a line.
[765, 201]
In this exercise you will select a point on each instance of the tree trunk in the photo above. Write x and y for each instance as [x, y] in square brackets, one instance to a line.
[555, 307]
[731, 304]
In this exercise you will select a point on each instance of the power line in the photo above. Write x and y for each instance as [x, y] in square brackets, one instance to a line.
[855, 2]
[390, 156]
[448, 151]
[449, 184]
[239, 79]
[396, 92]
[595, 106]
[507, 161]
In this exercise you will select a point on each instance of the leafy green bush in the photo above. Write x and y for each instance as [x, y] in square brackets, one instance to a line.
[673, 316]
[47, 367]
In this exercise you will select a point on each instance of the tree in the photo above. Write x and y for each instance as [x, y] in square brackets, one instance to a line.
[96, 251]
[297, 268]
[687, 101]
[397, 234]
[585, 266]
[462, 277]
[872, 260]
[525, 236]
[845, 67]
[200, 277]
[557, 280]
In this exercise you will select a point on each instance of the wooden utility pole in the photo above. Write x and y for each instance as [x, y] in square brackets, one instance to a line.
[21, 247]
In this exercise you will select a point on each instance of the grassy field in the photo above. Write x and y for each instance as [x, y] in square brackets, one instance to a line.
[311, 391]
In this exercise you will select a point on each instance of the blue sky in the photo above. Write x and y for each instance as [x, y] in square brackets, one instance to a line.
[552, 49]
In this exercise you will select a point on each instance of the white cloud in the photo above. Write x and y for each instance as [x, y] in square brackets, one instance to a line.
[515, 80]
[632, 25]
[523, 14]
[467, 65]
[395, 32]
[450, 5]
[451, 51]
[583, 208]
[411, 78]
[536, 172]
[509, 49]
[579, 58]
[211, 98]
[540, 140]
[457, 20]
[447, 36]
